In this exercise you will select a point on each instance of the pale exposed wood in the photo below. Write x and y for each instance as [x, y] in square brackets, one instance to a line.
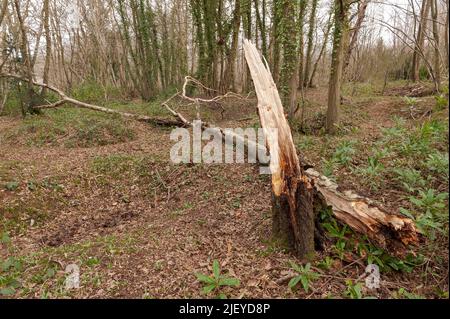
[292, 191]
[389, 231]
[271, 114]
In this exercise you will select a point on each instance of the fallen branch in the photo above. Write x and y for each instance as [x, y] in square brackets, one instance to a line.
[189, 79]
[66, 99]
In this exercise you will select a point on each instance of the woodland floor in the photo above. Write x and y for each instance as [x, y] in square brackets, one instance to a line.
[78, 187]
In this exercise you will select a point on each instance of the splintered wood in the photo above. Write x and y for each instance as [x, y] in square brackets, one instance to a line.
[293, 194]
[389, 231]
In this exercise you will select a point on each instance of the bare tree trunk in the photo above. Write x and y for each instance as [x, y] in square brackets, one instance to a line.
[322, 50]
[4, 93]
[229, 76]
[48, 44]
[418, 50]
[275, 39]
[27, 106]
[301, 44]
[290, 67]
[337, 61]
[260, 19]
[446, 26]
[437, 60]
[355, 32]
[309, 50]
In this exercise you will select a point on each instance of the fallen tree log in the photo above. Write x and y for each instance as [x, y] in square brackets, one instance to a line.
[64, 99]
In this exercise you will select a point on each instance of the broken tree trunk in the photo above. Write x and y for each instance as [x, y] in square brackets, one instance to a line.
[292, 192]
[298, 195]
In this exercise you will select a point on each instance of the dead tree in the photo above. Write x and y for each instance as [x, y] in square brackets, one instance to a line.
[292, 192]
[298, 195]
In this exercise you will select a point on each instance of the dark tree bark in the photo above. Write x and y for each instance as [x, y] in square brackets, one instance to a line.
[418, 50]
[436, 57]
[337, 61]
[309, 50]
[48, 44]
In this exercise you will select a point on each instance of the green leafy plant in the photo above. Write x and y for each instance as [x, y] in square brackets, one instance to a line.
[335, 230]
[425, 222]
[306, 142]
[410, 101]
[431, 202]
[441, 102]
[339, 233]
[372, 172]
[328, 167]
[385, 261]
[395, 133]
[11, 186]
[216, 281]
[326, 263]
[411, 179]
[402, 293]
[344, 152]
[340, 248]
[438, 162]
[354, 290]
[5, 239]
[10, 269]
[304, 275]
